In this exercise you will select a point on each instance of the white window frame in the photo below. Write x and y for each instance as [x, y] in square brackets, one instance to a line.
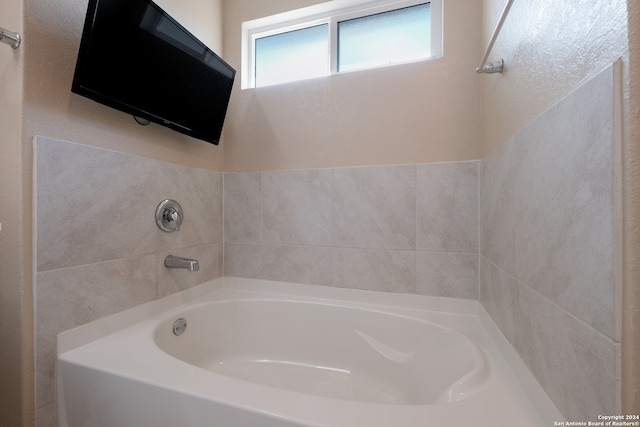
[329, 13]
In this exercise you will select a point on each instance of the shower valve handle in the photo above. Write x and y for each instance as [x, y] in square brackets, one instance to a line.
[169, 216]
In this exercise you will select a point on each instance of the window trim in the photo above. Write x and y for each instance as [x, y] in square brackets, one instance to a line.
[329, 13]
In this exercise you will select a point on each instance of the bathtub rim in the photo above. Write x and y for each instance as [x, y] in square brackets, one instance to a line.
[234, 288]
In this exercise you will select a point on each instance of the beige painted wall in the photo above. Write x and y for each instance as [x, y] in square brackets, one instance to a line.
[631, 225]
[16, 360]
[35, 96]
[413, 113]
[53, 30]
[549, 48]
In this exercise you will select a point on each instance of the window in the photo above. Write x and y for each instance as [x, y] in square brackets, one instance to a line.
[399, 35]
[292, 55]
[324, 39]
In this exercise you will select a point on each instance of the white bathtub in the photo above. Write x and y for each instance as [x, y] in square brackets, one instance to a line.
[258, 353]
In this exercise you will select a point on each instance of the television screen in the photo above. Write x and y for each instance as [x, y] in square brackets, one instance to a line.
[136, 58]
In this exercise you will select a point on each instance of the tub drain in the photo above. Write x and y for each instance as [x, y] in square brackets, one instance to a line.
[179, 326]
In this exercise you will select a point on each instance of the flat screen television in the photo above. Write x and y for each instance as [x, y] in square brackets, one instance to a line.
[136, 58]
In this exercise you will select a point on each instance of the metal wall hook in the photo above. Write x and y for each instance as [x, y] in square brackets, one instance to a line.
[10, 38]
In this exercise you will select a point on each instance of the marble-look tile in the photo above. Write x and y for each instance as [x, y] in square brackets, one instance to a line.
[564, 204]
[447, 274]
[73, 296]
[497, 223]
[447, 207]
[243, 207]
[374, 270]
[546, 218]
[499, 296]
[175, 280]
[199, 192]
[97, 205]
[568, 357]
[575, 364]
[299, 264]
[92, 205]
[243, 260]
[375, 207]
[297, 207]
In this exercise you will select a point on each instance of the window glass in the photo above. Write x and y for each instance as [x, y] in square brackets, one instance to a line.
[384, 38]
[293, 55]
[325, 39]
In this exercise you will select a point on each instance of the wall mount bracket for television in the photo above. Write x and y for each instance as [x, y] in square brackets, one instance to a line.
[142, 122]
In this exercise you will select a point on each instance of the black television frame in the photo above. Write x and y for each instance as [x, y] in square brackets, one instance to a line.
[104, 76]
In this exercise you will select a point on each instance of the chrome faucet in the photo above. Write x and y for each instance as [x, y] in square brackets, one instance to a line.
[179, 262]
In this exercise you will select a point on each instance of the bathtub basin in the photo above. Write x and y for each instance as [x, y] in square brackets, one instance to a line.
[322, 349]
[258, 353]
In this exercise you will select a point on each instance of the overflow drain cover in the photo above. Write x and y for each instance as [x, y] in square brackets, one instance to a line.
[179, 326]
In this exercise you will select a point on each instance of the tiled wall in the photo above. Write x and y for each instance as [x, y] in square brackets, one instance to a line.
[392, 228]
[99, 250]
[547, 269]
[399, 228]
[542, 211]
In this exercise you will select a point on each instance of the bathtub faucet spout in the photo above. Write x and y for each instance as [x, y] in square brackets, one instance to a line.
[179, 262]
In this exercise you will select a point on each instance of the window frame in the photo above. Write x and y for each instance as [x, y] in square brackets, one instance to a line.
[330, 13]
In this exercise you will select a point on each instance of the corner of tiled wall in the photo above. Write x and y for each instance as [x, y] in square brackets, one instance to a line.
[99, 250]
[546, 269]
